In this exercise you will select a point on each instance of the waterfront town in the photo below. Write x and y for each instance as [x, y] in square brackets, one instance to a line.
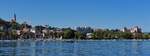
[12, 30]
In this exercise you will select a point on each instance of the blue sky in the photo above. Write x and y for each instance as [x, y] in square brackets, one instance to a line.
[72, 13]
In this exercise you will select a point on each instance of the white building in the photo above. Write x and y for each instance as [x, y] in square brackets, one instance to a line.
[125, 30]
[135, 29]
[32, 30]
[89, 35]
[18, 32]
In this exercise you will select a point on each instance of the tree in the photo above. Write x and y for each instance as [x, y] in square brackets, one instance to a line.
[68, 34]
[137, 35]
[124, 35]
[79, 35]
[98, 34]
[146, 36]
[84, 30]
[15, 25]
[14, 35]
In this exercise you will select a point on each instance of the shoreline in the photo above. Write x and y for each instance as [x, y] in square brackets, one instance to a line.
[78, 40]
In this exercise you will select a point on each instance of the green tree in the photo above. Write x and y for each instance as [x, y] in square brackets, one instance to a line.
[69, 34]
[146, 36]
[124, 35]
[79, 35]
[98, 34]
[15, 25]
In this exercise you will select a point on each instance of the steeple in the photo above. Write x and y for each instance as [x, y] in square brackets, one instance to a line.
[14, 16]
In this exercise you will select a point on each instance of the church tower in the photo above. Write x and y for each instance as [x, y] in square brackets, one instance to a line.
[15, 17]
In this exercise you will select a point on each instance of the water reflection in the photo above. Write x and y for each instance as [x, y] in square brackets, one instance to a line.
[77, 48]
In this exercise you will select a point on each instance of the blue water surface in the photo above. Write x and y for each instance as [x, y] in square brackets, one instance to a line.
[75, 48]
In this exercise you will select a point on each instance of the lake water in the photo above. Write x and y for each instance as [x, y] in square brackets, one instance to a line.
[75, 48]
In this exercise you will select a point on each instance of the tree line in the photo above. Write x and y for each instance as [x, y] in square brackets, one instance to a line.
[10, 32]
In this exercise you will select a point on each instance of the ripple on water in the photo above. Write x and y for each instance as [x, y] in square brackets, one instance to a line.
[77, 48]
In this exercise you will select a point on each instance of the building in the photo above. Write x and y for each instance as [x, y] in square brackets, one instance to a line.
[89, 35]
[135, 29]
[125, 29]
[32, 30]
[85, 30]
[14, 19]
[136, 32]
[4, 25]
